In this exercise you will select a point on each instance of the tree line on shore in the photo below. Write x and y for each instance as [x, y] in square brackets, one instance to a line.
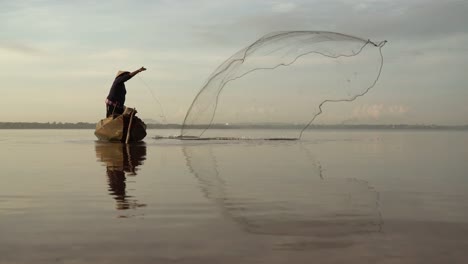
[84, 125]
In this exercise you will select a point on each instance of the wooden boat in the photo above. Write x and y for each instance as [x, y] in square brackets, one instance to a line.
[124, 128]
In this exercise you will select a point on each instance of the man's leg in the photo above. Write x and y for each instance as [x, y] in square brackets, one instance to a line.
[109, 110]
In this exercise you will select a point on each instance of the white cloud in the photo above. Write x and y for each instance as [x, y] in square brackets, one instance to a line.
[398, 109]
[21, 48]
[283, 7]
[378, 111]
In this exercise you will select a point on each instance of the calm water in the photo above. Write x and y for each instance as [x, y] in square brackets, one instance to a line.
[333, 197]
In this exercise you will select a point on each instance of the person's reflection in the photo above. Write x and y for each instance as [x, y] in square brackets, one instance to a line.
[121, 160]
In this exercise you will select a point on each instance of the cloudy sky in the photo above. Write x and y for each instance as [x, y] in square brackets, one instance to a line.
[58, 58]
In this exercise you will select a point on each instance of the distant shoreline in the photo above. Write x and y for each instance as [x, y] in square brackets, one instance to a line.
[84, 125]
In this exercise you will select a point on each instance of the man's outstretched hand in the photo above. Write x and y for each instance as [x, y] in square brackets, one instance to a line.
[137, 71]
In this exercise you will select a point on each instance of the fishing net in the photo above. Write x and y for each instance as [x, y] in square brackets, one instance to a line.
[282, 80]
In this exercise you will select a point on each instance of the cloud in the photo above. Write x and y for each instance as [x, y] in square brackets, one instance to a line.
[397, 109]
[20, 48]
[378, 111]
[283, 7]
[406, 19]
[398, 19]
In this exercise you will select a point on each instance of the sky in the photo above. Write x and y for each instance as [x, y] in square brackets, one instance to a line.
[58, 58]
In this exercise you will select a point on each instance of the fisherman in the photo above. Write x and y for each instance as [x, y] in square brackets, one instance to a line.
[116, 99]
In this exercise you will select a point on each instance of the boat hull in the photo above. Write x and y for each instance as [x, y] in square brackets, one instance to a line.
[114, 128]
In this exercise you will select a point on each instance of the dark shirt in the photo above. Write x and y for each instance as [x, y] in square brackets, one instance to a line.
[118, 91]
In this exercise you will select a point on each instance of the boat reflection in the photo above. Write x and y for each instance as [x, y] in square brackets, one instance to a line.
[121, 161]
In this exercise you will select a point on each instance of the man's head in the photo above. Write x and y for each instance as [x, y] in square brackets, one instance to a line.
[119, 73]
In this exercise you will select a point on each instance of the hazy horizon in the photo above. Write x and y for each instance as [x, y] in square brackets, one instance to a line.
[265, 124]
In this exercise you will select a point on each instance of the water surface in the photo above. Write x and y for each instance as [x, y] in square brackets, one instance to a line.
[336, 196]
